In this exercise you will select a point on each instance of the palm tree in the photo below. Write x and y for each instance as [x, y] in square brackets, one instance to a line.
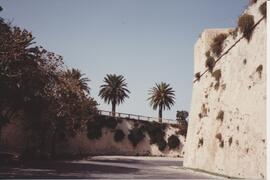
[81, 81]
[162, 97]
[114, 90]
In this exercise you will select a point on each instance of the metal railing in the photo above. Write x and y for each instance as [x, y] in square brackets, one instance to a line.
[137, 117]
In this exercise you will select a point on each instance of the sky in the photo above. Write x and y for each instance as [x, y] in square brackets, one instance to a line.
[146, 41]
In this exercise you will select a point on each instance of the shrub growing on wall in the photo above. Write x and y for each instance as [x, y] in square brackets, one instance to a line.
[94, 129]
[109, 122]
[173, 142]
[210, 63]
[119, 135]
[245, 24]
[263, 9]
[217, 44]
[135, 136]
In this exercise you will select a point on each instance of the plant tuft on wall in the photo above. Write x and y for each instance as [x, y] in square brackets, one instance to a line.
[220, 115]
[217, 44]
[210, 63]
[119, 135]
[259, 70]
[263, 9]
[173, 142]
[135, 136]
[245, 24]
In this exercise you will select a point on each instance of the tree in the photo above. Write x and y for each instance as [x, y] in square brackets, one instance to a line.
[181, 116]
[161, 97]
[114, 90]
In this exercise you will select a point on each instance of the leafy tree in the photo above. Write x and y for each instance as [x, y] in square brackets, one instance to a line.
[181, 115]
[114, 90]
[34, 87]
[161, 97]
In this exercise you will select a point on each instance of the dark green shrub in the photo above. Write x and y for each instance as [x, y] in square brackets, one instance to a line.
[219, 136]
[119, 135]
[220, 115]
[216, 87]
[217, 74]
[109, 122]
[233, 33]
[155, 131]
[210, 63]
[135, 136]
[207, 54]
[198, 76]
[162, 144]
[200, 143]
[259, 70]
[94, 129]
[217, 44]
[221, 144]
[245, 24]
[263, 9]
[230, 141]
[173, 142]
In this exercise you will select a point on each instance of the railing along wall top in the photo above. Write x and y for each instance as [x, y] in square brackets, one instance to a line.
[135, 116]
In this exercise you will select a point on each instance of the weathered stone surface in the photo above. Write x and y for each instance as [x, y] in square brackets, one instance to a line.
[240, 149]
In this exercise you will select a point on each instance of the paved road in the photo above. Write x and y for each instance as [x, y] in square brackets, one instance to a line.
[105, 167]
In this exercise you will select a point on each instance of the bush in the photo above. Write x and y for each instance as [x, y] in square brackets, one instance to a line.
[230, 141]
[162, 144]
[173, 142]
[245, 24]
[217, 44]
[217, 74]
[263, 9]
[109, 122]
[135, 136]
[220, 115]
[200, 143]
[119, 135]
[207, 54]
[210, 63]
[198, 76]
[233, 33]
[259, 70]
[219, 136]
[94, 129]
[155, 131]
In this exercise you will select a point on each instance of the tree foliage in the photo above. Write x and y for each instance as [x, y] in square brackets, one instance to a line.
[51, 101]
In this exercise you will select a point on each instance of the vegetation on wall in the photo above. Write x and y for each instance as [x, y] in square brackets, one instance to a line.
[119, 135]
[94, 126]
[259, 70]
[198, 76]
[210, 63]
[220, 115]
[135, 136]
[173, 142]
[217, 43]
[263, 9]
[200, 143]
[245, 24]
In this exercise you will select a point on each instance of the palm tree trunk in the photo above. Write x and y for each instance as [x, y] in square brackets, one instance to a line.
[160, 114]
[113, 108]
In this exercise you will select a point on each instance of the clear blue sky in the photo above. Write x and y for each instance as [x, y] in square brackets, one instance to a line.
[146, 41]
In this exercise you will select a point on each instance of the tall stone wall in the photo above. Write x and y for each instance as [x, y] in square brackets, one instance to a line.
[227, 126]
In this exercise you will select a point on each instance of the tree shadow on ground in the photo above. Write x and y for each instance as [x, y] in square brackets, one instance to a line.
[59, 170]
